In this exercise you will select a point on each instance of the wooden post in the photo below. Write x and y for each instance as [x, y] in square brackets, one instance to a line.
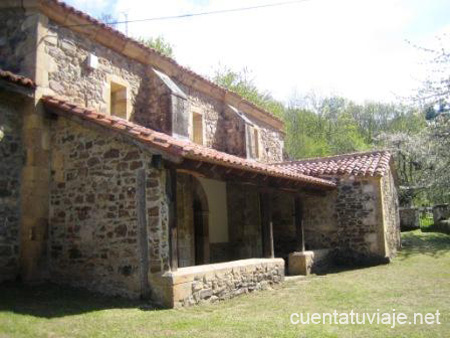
[298, 220]
[141, 205]
[171, 190]
[267, 224]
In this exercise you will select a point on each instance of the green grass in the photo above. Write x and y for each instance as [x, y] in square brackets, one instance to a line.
[417, 281]
[426, 222]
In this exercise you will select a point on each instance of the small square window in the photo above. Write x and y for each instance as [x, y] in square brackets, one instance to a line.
[197, 128]
[118, 100]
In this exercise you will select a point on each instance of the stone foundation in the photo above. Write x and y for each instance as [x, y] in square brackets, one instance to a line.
[215, 282]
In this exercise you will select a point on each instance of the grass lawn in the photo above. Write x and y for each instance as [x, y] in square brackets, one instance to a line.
[417, 281]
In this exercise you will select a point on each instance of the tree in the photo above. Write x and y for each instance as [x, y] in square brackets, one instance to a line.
[160, 44]
[242, 83]
[436, 89]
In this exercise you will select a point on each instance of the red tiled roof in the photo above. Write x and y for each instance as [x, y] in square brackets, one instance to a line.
[16, 79]
[374, 163]
[71, 10]
[183, 148]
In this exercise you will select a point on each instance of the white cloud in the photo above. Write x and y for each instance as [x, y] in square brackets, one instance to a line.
[352, 47]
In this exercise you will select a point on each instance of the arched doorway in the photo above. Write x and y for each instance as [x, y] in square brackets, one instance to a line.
[201, 223]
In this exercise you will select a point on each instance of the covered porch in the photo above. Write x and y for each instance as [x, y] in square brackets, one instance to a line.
[232, 231]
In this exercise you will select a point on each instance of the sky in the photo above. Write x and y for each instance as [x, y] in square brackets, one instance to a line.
[359, 49]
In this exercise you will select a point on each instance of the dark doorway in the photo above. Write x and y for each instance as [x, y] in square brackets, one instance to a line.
[201, 225]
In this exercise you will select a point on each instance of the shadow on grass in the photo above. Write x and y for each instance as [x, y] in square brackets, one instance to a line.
[414, 242]
[338, 267]
[425, 243]
[52, 301]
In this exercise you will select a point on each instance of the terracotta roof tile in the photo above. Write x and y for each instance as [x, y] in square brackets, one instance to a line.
[69, 9]
[177, 147]
[16, 79]
[374, 163]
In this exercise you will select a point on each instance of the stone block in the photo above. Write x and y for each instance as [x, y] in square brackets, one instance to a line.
[409, 219]
[441, 212]
[300, 263]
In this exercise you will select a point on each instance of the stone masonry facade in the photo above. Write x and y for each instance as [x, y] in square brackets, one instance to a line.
[69, 192]
[360, 220]
[69, 77]
[12, 154]
[93, 221]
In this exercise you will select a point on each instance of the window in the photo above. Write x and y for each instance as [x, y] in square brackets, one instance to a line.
[252, 142]
[197, 128]
[118, 100]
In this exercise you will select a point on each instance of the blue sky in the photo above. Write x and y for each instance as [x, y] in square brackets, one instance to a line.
[354, 48]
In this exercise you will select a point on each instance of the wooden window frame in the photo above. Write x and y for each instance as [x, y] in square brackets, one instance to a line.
[195, 114]
[253, 135]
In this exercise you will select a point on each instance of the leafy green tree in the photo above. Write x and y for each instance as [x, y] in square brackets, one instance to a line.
[160, 44]
[243, 84]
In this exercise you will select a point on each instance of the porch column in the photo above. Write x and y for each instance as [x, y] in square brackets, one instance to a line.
[171, 190]
[267, 224]
[298, 221]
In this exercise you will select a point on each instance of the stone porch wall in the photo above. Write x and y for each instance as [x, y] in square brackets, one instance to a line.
[93, 220]
[391, 214]
[215, 282]
[360, 220]
[12, 157]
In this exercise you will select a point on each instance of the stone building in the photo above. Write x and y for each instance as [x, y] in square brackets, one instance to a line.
[126, 173]
[362, 223]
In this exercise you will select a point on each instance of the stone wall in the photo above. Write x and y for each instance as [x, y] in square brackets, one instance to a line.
[360, 220]
[391, 214]
[151, 100]
[212, 111]
[409, 219]
[320, 221]
[221, 281]
[93, 221]
[441, 212]
[155, 112]
[234, 133]
[284, 231]
[17, 40]
[244, 220]
[12, 155]
[271, 142]
[70, 77]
